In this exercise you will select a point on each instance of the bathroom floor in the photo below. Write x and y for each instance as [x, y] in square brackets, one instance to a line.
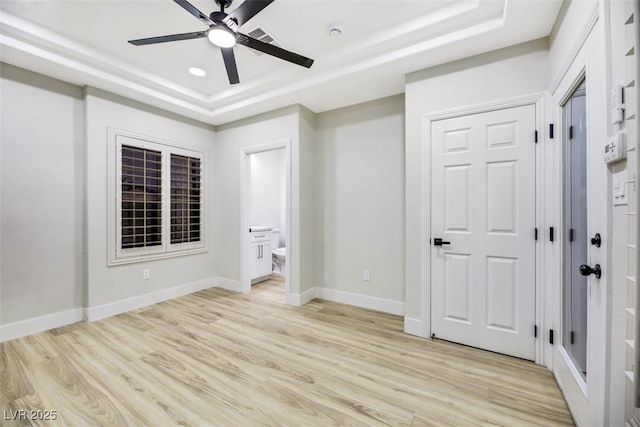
[277, 278]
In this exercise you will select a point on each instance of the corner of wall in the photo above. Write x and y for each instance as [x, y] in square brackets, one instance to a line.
[310, 233]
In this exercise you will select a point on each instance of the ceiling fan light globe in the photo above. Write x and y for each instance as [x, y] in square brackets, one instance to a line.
[221, 36]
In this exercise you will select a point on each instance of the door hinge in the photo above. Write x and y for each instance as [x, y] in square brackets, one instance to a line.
[570, 132]
[551, 130]
[571, 337]
[536, 136]
[550, 336]
[551, 234]
[535, 331]
[535, 233]
[571, 234]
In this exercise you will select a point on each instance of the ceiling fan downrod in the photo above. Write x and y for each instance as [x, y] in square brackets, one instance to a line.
[223, 4]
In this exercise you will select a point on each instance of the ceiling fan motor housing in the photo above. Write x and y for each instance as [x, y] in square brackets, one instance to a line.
[217, 17]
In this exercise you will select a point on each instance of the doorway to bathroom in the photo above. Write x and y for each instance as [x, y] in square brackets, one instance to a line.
[266, 218]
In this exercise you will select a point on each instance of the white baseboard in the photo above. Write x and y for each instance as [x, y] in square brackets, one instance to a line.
[298, 300]
[90, 314]
[231, 285]
[103, 311]
[359, 300]
[413, 326]
[56, 320]
[39, 324]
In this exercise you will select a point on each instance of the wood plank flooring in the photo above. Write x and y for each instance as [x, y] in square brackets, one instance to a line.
[218, 358]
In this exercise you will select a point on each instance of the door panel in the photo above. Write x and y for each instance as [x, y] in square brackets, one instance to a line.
[456, 198]
[483, 203]
[502, 293]
[501, 197]
[458, 292]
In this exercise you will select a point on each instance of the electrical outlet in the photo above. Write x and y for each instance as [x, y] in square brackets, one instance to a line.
[146, 274]
[366, 276]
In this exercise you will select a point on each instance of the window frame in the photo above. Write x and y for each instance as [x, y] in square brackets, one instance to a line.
[118, 255]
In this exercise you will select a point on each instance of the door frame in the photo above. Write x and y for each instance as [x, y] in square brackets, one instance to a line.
[245, 218]
[537, 100]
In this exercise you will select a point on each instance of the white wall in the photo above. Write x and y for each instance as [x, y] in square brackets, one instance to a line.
[565, 33]
[515, 71]
[309, 167]
[619, 38]
[362, 198]
[41, 192]
[106, 284]
[275, 127]
[618, 382]
[268, 197]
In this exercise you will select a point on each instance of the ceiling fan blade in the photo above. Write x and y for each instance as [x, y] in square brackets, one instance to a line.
[248, 10]
[195, 12]
[230, 64]
[272, 50]
[170, 38]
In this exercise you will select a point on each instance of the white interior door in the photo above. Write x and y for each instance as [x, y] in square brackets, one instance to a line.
[483, 205]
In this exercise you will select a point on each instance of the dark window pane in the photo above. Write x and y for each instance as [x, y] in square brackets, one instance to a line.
[141, 205]
[185, 198]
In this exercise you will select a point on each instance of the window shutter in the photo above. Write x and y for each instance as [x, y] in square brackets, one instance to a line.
[156, 199]
[141, 197]
[185, 199]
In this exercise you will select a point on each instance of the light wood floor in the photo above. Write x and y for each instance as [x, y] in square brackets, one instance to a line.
[226, 359]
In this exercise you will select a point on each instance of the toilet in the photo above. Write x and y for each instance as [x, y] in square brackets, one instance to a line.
[278, 254]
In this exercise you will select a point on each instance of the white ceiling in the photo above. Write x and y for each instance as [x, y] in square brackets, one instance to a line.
[85, 42]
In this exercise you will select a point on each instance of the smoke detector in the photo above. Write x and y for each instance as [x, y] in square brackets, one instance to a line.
[335, 30]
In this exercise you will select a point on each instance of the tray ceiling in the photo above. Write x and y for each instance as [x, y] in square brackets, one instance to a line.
[85, 42]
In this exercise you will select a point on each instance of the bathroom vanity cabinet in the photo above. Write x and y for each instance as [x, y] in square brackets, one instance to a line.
[259, 253]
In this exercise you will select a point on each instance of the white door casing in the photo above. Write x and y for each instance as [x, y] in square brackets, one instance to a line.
[483, 201]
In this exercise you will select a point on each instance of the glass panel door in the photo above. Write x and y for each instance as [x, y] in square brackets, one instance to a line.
[574, 337]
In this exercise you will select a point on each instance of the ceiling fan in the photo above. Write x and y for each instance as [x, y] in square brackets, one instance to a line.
[223, 32]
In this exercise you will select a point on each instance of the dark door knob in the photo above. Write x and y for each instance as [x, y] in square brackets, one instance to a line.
[596, 240]
[585, 270]
[439, 242]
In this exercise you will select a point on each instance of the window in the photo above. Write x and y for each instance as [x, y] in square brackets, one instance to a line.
[141, 202]
[158, 199]
[185, 199]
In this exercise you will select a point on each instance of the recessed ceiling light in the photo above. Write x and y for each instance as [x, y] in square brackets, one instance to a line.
[198, 72]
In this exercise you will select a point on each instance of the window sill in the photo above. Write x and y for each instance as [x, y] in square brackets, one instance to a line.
[154, 257]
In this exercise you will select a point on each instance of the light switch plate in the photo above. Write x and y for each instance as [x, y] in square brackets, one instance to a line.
[620, 188]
